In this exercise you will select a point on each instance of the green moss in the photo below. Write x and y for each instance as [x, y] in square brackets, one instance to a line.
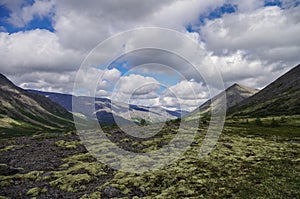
[8, 180]
[242, 165]
[8, 148]
[36, 191]
[95, 195]
[78, 157]
[77, 172]
[68, 145]
[71, 183]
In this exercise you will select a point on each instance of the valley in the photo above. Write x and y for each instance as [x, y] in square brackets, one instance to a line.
[256, 156]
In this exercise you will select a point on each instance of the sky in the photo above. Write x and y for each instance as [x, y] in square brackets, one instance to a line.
[43, 44]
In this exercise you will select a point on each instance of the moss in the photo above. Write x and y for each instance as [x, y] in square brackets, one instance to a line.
[242, 165]
[78, 157]
[5, 181]
[71, 183]
[8, 180]
[95, 195]
[8, 148]
[125, 140]
[36, 191]
[68, 145]
[77, 172]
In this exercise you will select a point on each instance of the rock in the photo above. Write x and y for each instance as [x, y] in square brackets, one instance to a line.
[7, 170]
[111, 192]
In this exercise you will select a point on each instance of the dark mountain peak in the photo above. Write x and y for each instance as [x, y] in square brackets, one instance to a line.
[5, 81]
[278, 98]
[234, 85]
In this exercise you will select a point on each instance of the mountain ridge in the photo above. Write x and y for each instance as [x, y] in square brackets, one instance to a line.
[19, 107]
[106, 110]
[281, 97]
[234, 95]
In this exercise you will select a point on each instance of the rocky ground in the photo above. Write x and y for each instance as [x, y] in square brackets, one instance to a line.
[248, 162]
[31, 166]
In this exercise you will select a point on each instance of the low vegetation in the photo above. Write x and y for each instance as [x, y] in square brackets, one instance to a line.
[251, 160]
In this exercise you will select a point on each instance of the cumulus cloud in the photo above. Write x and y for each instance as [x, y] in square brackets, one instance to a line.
[253, 46]
[137, 85]
[36, 50]
[23, 13]
[45, 81]
[268, 33]
[185, 94]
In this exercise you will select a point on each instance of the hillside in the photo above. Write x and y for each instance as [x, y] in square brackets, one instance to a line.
[281, 97]
[234, 95]
[20, 109]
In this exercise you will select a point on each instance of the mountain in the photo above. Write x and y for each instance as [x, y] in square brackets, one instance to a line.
[106, 110]
[20, 109]
[234, 95]
[281, 97]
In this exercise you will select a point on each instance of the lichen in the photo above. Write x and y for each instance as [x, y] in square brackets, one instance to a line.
[68, 145]
[71, 183]
[36, 191]
[95, 195]
[8, 180]
[8, 148]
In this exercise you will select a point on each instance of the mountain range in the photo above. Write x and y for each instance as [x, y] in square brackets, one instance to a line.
[106, 110]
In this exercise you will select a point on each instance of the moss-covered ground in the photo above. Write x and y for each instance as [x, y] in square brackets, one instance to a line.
[250, 160]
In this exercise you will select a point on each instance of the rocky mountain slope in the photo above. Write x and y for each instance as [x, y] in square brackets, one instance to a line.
[281, 97]
[25, 110]
[234, 95]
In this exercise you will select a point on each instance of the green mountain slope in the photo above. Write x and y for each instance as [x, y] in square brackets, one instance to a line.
[282, 97]
[26, 111]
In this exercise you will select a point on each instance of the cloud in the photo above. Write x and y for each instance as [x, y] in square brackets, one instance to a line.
[36, 50]
[268, 33]
[188, 90]
[22, 12]
[253, 46]
[137, 85]
[45, 81]
[186, 94]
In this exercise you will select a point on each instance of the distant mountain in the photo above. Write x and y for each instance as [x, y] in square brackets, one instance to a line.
[22, 109]
[282, 97]
[234, 95]
[106, 110]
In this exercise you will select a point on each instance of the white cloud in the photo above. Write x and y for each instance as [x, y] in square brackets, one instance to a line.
[263, 34]
[137, 85]
[185, 94]
[22, 14]
[252, 46]
[36, 50]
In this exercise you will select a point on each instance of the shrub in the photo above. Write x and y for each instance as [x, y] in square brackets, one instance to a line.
[143, 122]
